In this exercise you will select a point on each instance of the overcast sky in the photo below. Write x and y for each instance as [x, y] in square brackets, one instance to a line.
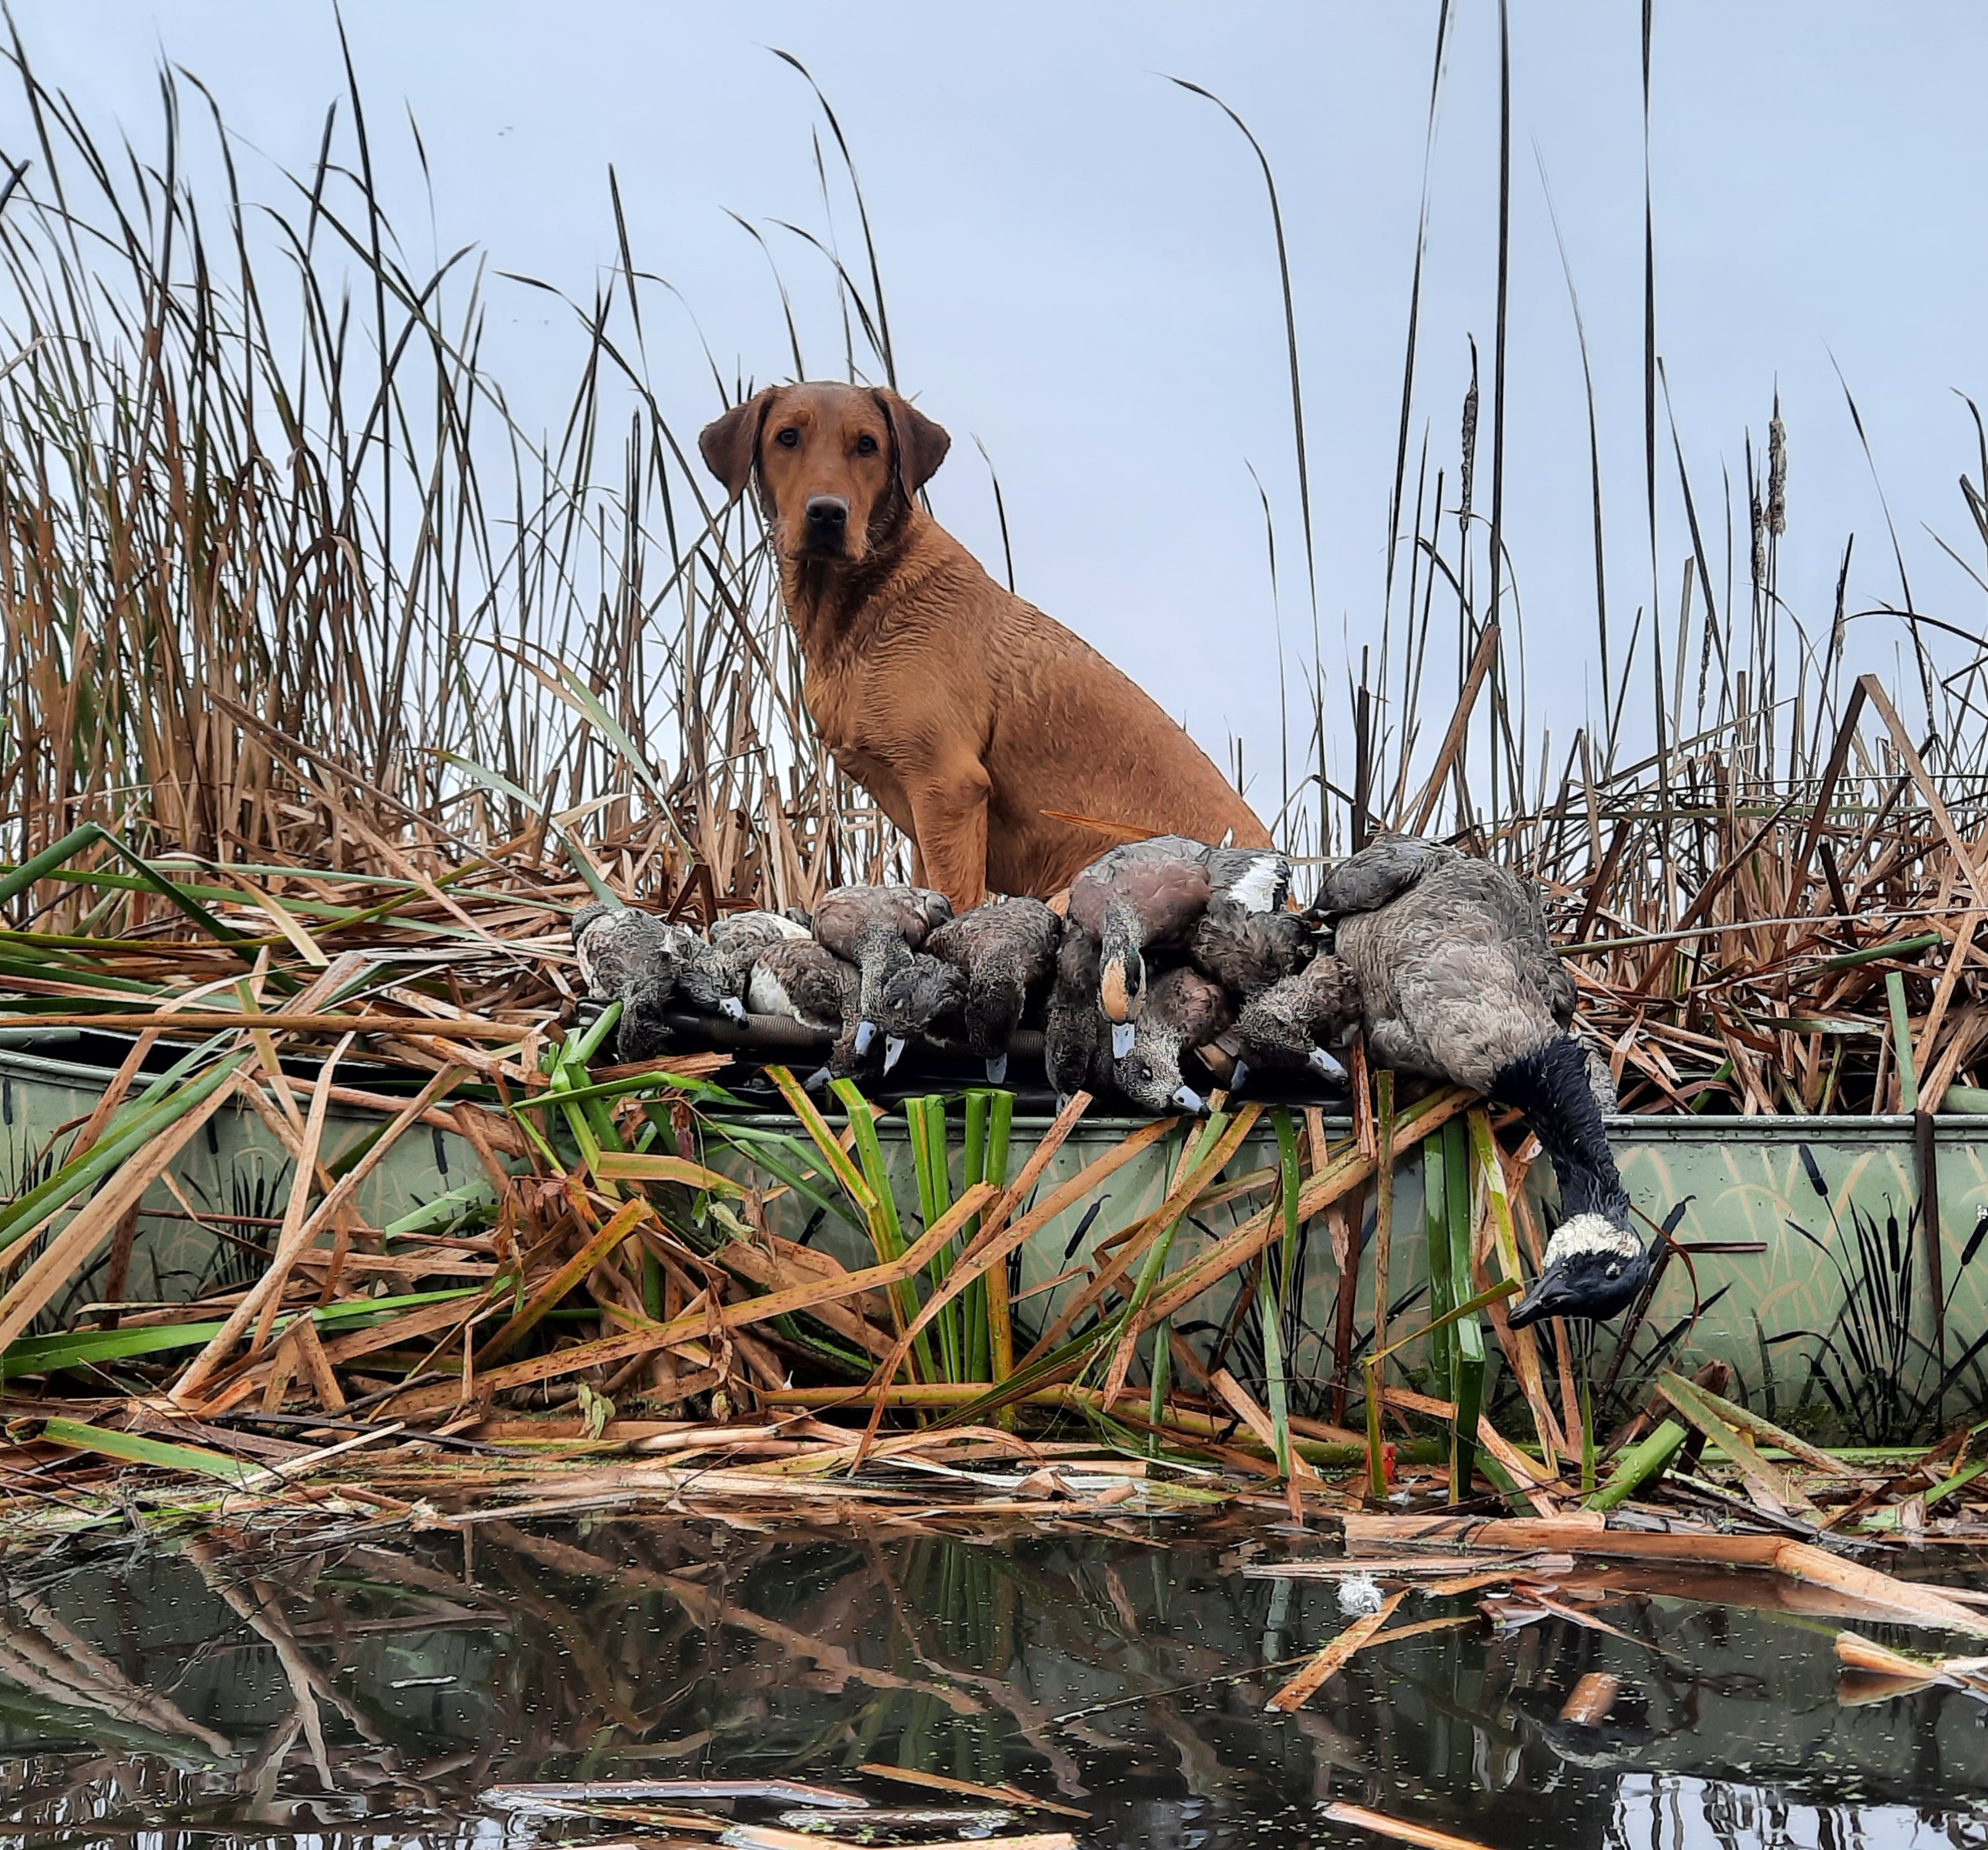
[1080, 271]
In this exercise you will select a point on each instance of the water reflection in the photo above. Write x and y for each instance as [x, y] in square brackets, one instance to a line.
[365, 1694]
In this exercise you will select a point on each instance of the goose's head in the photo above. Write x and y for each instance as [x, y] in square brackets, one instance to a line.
[1594, 1269]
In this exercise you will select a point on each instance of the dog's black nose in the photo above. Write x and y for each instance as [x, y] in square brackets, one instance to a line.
[827, 513]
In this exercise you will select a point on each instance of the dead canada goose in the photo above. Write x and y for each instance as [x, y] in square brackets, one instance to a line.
[1075, 1034]
[1298, 1019]
[877, 928]
[1007, 951]
[715, 982]
[1149, 895]
[1457, 980]
[926, 999]
[1183, 1009]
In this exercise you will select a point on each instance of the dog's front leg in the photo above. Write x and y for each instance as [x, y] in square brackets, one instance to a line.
[949, 830]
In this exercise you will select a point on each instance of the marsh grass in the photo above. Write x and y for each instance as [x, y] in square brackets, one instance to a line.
[284, 581]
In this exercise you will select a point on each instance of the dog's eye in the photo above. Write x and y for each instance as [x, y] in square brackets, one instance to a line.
[866, 444]
[788, 438]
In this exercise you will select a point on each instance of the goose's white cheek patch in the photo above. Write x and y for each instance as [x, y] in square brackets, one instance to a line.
[1589, 1234]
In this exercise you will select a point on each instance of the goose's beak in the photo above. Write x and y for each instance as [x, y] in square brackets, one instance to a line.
[733, 1010]
[1325, 1066]
[1123, 1034]
[1186, 1099]
[997, 1070]
[893, 1050]
[866, 1032]
[1553, 1295]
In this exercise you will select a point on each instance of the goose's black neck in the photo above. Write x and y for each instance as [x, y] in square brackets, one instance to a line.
[1551, 1087]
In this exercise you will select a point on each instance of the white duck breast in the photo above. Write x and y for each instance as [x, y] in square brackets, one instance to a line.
[797, 981]
[715, 980]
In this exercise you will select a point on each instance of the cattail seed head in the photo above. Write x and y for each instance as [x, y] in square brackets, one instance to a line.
[1777, 477]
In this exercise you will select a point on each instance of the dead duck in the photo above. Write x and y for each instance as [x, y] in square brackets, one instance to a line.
[1247, 952]
[716, 980]
[1298, 1019]
[1183, 1009]
[1076, 1037]
[1457, 980]
[926, 999]
[796, 979]
[633, 957]
[877, 928]
[617, 945]
[1149, 895]
[1007, 951]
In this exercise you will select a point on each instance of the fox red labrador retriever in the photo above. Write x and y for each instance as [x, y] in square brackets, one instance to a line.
[978, 724]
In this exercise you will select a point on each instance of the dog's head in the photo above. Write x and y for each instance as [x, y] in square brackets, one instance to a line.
[836, 465]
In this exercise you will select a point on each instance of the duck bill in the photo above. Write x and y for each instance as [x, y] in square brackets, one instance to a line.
[894, 1049]
[733, 1010]
[1325, 1066]
[1123, 1034]
[997, 1070]
[1186, 1099]
[866, 1032]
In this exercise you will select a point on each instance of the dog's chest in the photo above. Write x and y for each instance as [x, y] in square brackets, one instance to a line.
[843, 700]
[843, 704]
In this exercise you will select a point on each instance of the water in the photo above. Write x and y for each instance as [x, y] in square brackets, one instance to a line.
[214, 1698]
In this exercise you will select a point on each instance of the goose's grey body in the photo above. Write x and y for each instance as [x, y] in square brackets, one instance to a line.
[1457, 980]
[1456, 973]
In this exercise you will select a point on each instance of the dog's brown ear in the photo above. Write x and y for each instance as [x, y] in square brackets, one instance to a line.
[730, 445]
[917, 444]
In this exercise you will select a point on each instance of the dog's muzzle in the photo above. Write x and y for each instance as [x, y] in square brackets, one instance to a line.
[826, 529]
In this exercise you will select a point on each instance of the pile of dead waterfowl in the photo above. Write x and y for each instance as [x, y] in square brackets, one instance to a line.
[607, 1316]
